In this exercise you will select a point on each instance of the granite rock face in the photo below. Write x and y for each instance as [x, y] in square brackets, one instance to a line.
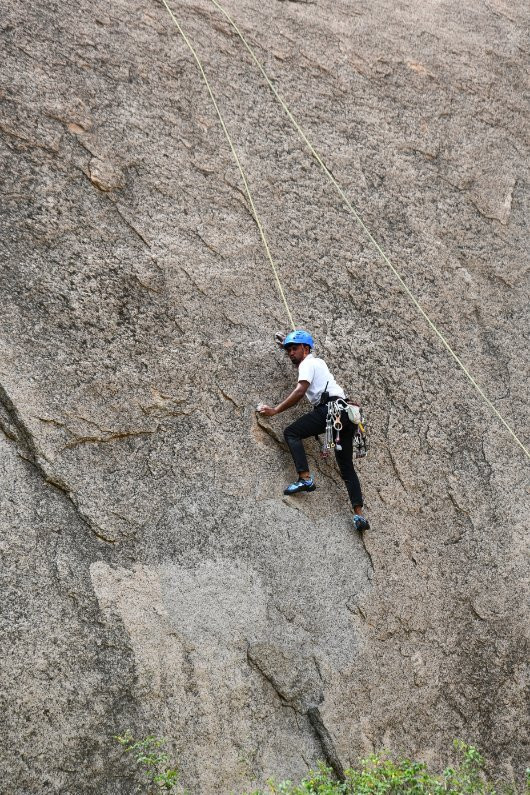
[154, 576]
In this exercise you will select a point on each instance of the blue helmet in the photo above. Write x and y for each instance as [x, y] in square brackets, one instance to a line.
[298, 337]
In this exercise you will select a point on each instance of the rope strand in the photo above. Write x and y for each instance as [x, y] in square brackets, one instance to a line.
[238, 163]
[369, 235]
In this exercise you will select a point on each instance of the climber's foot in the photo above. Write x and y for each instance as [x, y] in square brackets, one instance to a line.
[303, 484]
[360, 522]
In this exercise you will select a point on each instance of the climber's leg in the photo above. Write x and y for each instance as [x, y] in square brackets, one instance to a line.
[344, 459]
[310, 424]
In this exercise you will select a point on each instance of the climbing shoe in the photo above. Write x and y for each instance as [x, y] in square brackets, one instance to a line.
[360, 522]
[303, 484]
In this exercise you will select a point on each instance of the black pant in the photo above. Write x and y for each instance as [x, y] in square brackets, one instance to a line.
[314, 423]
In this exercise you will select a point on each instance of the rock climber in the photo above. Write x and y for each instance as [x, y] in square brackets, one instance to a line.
[318, 385]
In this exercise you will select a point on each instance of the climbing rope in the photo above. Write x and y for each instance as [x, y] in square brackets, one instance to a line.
[367, 232]
[238, 163]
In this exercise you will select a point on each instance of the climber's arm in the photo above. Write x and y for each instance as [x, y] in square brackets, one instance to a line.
[295, 397]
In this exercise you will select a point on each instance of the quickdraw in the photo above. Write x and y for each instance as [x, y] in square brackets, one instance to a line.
[332, 439]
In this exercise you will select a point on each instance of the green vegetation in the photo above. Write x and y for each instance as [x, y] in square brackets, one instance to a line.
[152, 760]
[379, 774]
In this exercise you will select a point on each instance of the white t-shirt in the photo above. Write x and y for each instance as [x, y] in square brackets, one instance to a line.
[316, 372]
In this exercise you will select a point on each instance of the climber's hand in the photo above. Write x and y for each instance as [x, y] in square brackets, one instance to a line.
[267, 411]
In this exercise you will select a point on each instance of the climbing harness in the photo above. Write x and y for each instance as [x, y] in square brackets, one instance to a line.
[332, 438]
[373, 241]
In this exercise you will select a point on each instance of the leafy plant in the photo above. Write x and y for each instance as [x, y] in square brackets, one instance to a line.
[150, 756]
[380, 774]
